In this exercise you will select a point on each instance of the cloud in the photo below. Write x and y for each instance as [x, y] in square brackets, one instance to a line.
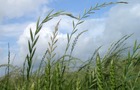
[122, 20]
[18, 8]
[12, 30]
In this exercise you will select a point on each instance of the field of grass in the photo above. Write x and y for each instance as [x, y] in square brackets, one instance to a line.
[112, 71]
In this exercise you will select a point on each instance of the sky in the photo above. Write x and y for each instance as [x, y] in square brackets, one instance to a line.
[104, 27]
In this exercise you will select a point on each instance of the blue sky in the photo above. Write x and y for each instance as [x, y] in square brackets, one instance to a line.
[74, 6]
[105, 26]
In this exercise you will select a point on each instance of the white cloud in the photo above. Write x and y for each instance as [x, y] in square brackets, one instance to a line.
[12, 30]
[18, 8]
[122, 20]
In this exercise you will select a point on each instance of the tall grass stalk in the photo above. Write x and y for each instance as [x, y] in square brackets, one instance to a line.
[99, 73]
[112, 76]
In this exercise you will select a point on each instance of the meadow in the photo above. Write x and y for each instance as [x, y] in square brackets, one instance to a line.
[112, 71]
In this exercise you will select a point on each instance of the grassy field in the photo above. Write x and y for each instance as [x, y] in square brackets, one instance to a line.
[112, 71]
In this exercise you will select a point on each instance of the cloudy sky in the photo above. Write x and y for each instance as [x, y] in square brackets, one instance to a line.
[104, 27]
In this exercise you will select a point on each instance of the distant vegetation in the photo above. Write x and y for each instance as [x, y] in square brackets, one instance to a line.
[113, 71]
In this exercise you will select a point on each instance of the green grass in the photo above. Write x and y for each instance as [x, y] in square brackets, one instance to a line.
[113, 71]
